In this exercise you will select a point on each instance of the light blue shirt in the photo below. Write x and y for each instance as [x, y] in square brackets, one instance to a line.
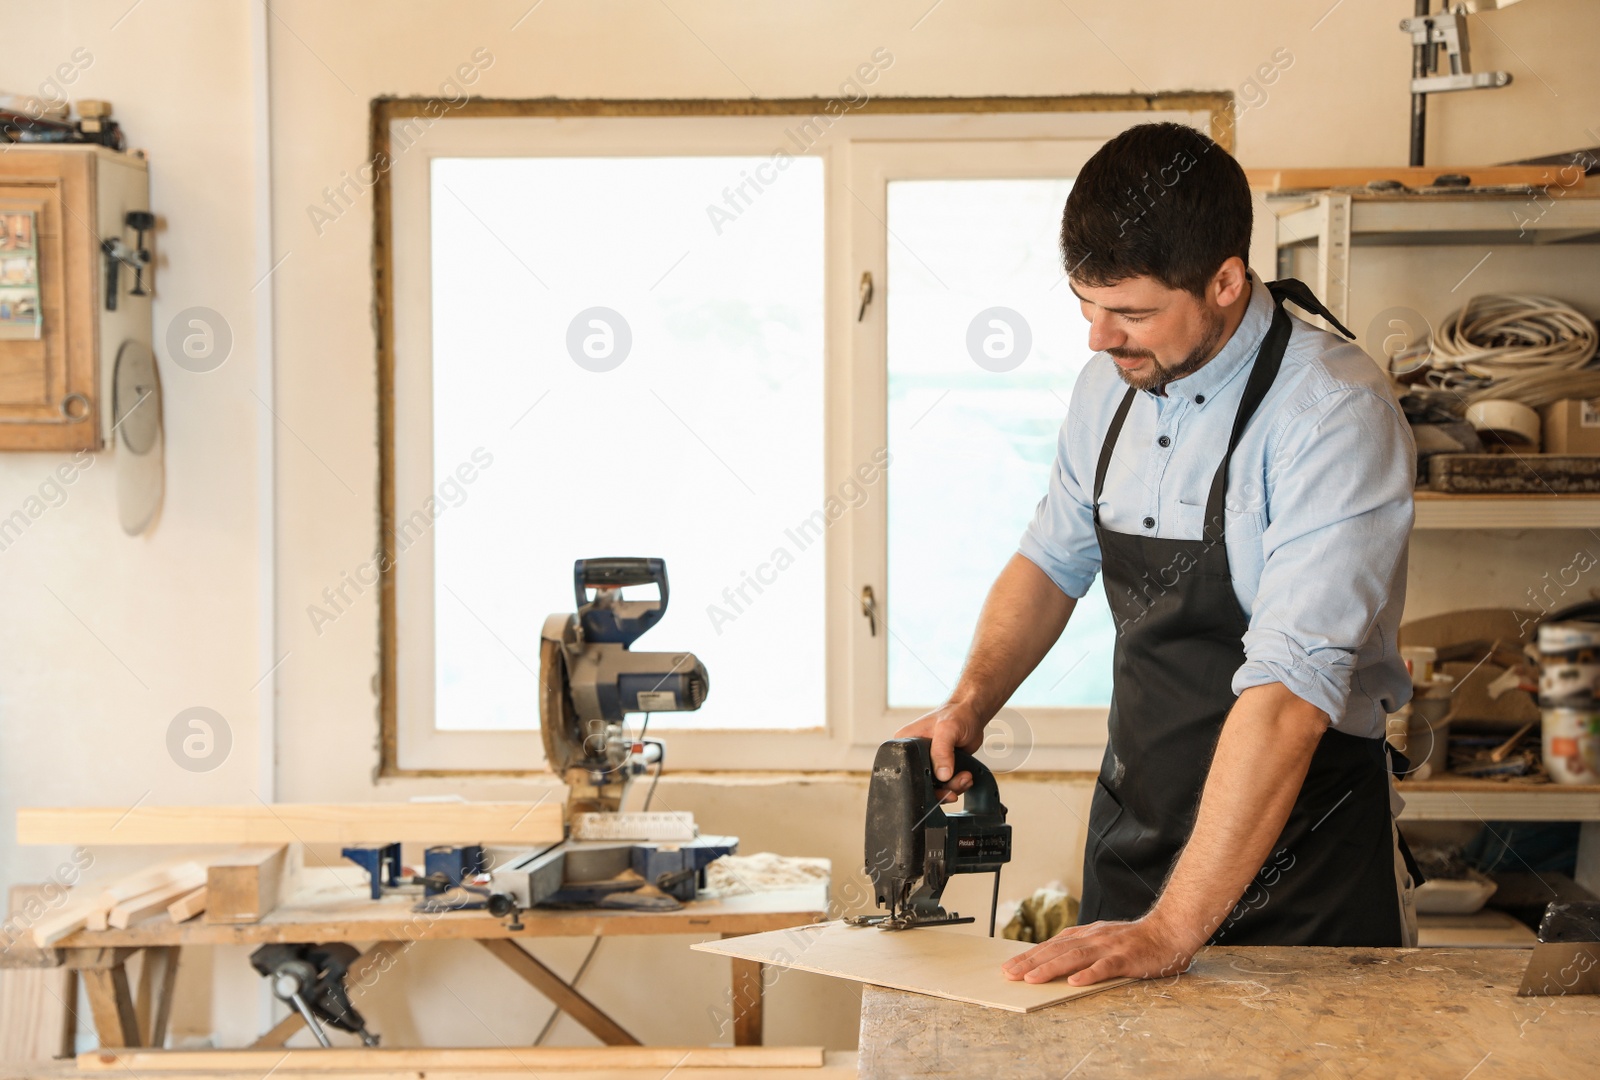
[1318, 508]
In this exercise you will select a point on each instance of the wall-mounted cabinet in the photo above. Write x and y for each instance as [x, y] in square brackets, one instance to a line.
[63, 313]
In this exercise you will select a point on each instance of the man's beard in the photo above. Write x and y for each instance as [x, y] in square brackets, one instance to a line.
[1161, 376]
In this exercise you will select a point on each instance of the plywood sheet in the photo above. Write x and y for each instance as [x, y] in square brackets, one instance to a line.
[942, 963]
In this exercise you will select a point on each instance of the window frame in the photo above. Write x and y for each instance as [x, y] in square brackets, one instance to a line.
[876, 144]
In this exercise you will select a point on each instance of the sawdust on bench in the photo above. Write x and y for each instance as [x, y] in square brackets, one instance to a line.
[739, 875]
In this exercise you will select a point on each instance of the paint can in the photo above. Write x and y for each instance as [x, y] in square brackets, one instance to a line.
[1571, 745]
[1569, 665]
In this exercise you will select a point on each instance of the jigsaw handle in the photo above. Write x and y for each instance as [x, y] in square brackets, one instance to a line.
[982, 799]
[617, 573]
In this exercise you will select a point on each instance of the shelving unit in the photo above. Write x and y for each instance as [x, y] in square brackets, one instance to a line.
[1438, 251]
[1461, 799]
[1439, 511]
[1329, 225]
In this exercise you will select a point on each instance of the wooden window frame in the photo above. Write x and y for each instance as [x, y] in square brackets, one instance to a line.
[385, 111]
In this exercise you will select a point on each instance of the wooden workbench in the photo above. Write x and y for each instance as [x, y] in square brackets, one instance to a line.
[1242, 1013]
[334, 905]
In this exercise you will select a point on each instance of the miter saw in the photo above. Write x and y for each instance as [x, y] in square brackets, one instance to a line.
[914, 845]
[589, 681]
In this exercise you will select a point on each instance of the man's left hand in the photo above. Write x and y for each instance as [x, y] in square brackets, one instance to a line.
[1143, 949]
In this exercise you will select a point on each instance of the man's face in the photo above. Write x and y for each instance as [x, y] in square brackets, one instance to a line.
[1154, 334]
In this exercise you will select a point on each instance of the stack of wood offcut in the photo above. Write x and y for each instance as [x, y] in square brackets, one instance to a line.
[235, 886]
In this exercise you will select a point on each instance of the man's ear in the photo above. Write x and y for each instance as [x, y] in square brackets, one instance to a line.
[1229, 282]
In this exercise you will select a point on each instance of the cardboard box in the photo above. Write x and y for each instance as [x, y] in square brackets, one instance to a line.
[1572, 427]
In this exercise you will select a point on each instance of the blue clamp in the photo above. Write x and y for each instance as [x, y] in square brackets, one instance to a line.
[380, 861]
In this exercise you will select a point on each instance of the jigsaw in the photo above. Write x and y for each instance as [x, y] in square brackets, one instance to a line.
[914, 845]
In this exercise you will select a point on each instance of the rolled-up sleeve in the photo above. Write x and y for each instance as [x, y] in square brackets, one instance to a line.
[1339, 506]
[1060, 539]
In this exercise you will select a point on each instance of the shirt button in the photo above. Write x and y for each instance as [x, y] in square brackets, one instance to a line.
[1164, 441]
[1199, 399]
[1149, 522]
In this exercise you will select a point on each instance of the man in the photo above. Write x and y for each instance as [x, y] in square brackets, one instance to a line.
[1242, 481]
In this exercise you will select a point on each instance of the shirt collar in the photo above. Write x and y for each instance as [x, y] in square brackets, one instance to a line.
[1202, 386]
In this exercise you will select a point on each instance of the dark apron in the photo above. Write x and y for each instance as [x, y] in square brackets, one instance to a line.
[1330, 879]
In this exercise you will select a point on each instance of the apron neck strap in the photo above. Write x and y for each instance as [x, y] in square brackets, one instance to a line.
[1299, 294]
[1262, 373]
[1108, 448]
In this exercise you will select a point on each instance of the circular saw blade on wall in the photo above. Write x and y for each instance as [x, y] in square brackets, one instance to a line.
[136, 435]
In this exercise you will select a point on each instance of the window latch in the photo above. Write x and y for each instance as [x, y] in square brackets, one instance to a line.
[869, 608]
[865, 293]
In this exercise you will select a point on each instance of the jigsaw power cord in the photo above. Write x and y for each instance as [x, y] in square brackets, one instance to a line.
[994, 902]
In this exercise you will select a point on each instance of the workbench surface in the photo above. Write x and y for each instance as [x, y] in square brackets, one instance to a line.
[333, 904]
[1257, 1012]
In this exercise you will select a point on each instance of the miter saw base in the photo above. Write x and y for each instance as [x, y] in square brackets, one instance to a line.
[578, 873]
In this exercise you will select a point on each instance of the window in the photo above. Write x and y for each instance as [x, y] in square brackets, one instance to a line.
[647, 380]
[984, 344]
[634, 334]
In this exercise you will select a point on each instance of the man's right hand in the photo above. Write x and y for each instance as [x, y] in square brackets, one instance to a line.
[950, 726]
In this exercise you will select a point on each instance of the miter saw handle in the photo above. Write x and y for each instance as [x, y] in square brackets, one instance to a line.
[982, 799]
[618, 573]
[613, 619]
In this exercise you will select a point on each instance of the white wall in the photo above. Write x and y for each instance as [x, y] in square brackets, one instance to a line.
[105, 638]
[179, 607]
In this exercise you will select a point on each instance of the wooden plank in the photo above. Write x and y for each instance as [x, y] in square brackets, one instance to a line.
[56, 925]
[155, 901]
[158, 976]
[521, 1058]
[748, 1001]
[96, 957]
[245, 886]
[556, 989]
[136, 884]
[836, 1066]
[34, 1010]
[187, 906]
[90, 907]
[1304, 179]
[281, 1032]
[115, 1021]
[944, 963]
[289, 823]
[333, 905]
[1479, 930]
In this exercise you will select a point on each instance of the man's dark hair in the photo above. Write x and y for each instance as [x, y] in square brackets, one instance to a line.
[1160, 201]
